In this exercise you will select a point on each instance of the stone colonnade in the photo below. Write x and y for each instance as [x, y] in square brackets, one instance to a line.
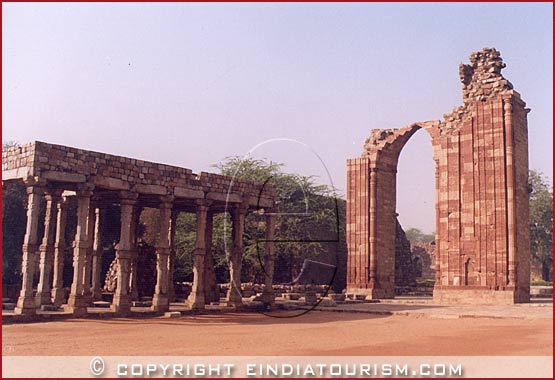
[87, 252]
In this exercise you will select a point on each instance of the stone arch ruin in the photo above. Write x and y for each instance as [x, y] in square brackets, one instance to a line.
[481, 198]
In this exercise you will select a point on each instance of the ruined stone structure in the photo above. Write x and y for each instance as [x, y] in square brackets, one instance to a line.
[146, 272]
[56, 172]
[405, 274]
[423, 255]
[482, 223]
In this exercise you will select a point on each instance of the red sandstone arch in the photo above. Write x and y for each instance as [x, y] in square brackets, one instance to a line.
[482, 213]
[372, 187]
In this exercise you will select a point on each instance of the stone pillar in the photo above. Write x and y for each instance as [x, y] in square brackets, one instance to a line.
[134, 288]
[97, 251]
[234, 297]
[171, 259]
[211, 289]
[43, 296]
[26, 302]
[268, 296]
[372, 220]
[76, 302]
[196, 298]
[160, 301]
[122, 298]
[87, 267]
[511, 213]
[58, 296]
[437, 263]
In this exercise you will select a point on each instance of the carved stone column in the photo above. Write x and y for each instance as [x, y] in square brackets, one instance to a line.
[134, 288]
[76, 302]
[268, 296]
[87, 267]
[43, 296]
[160, 301]
[211, 289]
[96, 289]
[171, 259]
[26, 302]
[196, 298]
[58, 296]
[234, 297]
[122, 298]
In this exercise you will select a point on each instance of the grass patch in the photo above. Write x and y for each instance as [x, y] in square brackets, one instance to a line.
[541, 283]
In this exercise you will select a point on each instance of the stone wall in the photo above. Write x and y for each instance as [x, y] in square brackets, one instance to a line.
[67, 164]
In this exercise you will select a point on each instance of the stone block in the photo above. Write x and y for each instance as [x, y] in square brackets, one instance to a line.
[103, 304]
[310, 298]
[172, 314]
[327, 302]
[291, 296]
[336, 297]
[49, 308]
[8, 306]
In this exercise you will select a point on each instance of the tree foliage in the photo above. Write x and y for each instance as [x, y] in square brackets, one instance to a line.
[310, 224]
[417, 236]
[541, 222]
[14, 219]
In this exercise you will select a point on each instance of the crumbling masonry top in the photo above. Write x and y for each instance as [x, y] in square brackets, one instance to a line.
[482, 78]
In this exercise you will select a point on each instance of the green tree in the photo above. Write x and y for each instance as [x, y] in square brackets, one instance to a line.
[14, 220]
[417, 236]
[312, 214]
[541, 222]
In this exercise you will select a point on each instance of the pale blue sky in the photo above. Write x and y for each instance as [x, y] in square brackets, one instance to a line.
[188, 84]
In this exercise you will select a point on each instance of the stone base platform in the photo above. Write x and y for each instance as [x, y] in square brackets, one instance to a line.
[450, 295]
[370, 293]
[478, 296]
[424, 307]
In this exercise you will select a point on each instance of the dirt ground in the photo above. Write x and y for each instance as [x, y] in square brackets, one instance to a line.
[316, 333]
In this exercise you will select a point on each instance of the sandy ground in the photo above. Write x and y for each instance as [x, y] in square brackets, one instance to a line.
[317, 333]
